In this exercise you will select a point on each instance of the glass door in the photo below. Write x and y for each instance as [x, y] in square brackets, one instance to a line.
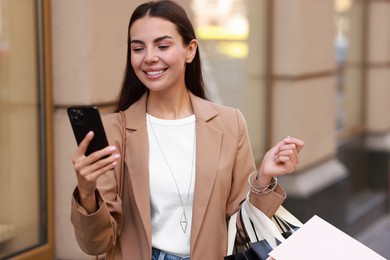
[24, 211]
[232, 36]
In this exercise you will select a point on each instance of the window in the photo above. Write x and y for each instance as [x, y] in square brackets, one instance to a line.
[232, 45]
[349, 45]
[24, 214]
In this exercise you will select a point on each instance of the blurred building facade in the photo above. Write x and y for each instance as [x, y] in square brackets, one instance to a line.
[317, 70]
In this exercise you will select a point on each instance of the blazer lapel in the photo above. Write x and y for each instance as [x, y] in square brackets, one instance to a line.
[137, 161]
[207, 159]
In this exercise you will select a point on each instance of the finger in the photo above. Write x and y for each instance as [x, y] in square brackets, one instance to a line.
[100, 164]
[287, 159]
[83, 161]
[288, 147]
[276, 149]
[84, 165]
[90, 173]
[92, 176]
[282, 159]
[96, 156]
[87, 180]
[291, 140]
[288, 151]
[286, 163]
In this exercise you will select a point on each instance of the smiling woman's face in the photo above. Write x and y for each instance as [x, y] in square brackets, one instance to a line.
[158, 54]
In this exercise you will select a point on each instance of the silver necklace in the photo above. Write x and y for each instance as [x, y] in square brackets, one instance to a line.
[183, 219]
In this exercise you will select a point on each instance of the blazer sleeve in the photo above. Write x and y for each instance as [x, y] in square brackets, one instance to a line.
[244, 165]
[97, 233]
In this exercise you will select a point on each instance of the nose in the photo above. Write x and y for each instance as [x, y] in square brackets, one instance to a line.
[150, 56]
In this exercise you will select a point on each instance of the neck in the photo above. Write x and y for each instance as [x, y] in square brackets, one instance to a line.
[169, 106]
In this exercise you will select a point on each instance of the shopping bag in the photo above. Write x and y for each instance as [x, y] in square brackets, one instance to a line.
[318, 239]
[264, 233]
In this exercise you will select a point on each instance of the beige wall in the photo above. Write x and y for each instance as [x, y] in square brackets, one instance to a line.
[352, 103]
[255, 112]
[378, 82]
[89, 51]
[303, 85]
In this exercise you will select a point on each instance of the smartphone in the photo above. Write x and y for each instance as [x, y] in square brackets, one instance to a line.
[84, 119]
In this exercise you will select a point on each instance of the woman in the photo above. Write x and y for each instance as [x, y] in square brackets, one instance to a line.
[187, 159]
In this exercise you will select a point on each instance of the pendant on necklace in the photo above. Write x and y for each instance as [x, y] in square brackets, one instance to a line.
[183, 222]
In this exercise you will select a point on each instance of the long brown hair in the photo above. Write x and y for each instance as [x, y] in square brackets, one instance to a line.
[132, 88]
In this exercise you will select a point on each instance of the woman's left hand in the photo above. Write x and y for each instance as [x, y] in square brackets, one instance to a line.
[280, 160]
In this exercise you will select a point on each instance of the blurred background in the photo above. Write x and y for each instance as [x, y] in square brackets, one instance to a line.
[316, 70]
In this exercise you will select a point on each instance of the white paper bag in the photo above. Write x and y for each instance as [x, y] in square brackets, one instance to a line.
[319, 240]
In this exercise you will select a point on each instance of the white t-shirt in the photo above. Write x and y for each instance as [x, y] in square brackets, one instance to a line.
[177, 143]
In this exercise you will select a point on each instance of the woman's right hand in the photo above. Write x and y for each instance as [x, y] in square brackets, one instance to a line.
[90, 168]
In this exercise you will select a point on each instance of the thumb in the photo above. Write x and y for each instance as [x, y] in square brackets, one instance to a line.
[83, 146]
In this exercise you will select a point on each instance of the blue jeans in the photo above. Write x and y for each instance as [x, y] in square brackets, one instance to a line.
[158, 254]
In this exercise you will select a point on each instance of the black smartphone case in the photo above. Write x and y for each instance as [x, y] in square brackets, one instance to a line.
[84, 119]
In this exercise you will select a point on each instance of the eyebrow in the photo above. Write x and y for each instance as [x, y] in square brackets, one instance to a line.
[155, 40]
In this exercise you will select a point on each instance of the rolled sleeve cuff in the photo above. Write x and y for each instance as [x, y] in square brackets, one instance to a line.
[268, 203]
[80, 208]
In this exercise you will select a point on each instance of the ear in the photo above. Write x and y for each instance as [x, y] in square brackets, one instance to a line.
[191, 50]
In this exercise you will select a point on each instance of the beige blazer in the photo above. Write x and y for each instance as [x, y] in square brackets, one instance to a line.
[224, 160]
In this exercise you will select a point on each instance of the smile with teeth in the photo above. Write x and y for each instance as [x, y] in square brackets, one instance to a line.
[154, 73]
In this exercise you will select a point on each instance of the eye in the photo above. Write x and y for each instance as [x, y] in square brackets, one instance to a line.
[163, 47]
[137, 49]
